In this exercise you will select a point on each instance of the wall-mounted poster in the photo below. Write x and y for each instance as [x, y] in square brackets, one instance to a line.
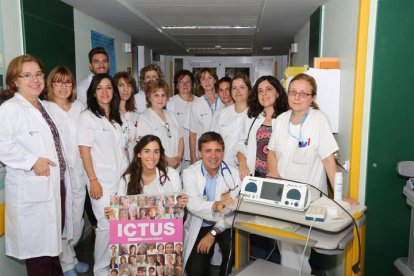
[101, 40]
[146, 235]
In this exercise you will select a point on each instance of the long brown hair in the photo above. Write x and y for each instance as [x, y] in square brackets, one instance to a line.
[134, 169]
[130, 103]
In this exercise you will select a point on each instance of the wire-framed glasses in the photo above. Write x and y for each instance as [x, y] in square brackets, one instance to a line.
[301, 94]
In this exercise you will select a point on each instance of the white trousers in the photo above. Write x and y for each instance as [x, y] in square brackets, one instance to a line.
[68, 255]
[291, 256]
[101, 253]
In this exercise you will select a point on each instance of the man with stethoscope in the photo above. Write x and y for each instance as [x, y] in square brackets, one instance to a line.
[210, 185]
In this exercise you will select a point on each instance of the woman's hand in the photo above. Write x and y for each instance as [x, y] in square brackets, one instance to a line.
[107, 212]
[182, 200]
[243, 170]
[95, 191]
[174, 162]
[41, 167]
[350, 200]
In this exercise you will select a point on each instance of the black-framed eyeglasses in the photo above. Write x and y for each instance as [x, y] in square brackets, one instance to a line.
[167, 127]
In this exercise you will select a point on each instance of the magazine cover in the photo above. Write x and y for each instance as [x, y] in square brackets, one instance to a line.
[146, 236]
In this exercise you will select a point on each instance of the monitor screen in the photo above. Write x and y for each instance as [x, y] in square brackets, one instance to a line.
[271, 191]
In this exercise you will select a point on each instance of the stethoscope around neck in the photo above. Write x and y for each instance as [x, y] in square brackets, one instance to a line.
[246, 141]
[223, 167]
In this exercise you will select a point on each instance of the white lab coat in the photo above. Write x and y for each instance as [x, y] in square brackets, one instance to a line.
[150, 123]
[171, 186]
[33, 211]
[181, 109]
[129, 129]
[200, 117]
[66, 122]
[140, 102]
[199, 208]
[249, 150]
[229, 124]
[109, 161]
[82, 89]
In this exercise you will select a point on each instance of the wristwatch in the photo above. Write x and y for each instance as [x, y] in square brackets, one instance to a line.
[213, 233]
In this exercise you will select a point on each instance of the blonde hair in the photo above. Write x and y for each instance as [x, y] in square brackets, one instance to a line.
[312, 83]
[60, 73]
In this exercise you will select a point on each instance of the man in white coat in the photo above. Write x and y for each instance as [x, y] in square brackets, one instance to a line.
[98, 64]
[210, 185]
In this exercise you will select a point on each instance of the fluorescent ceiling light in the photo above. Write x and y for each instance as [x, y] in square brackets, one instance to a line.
[222, 48]
[207, 27]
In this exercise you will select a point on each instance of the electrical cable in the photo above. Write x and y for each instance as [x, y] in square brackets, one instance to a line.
[306, 245]
[239, 200]
[355, 266]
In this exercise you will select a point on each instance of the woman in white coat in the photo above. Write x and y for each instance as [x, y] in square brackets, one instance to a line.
[156, 120]
[37, 184]
[230, 120]
[149, 173]
[203, 108]
[180, 104]
[101, 146]
[126, 88]
[65, 111]
[301, 148]
[267, 100]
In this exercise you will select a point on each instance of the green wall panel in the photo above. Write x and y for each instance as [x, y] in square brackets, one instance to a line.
[314, 34]
[391, 135]
[48, 32]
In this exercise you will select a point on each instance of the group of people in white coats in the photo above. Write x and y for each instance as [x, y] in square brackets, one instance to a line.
[52, 148]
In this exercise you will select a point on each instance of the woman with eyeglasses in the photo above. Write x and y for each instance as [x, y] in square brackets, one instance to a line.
[65, 111]
[301, 148]
[102, 149]
[156, 120]
[126, 88]
[37, 183]
[267, 100]
[180, 104]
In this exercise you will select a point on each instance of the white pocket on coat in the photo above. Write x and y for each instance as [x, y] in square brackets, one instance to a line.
[301, 155]
[37, 189]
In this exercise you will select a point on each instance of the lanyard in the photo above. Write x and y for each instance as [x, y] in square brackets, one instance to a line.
[301, 142]
[209, 105]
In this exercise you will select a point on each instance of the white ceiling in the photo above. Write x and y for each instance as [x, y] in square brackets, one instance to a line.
[276, 21]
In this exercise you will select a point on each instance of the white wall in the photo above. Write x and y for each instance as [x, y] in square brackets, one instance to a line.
[12, 30]
[302, 39]
[83, 25]
[339, 40]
